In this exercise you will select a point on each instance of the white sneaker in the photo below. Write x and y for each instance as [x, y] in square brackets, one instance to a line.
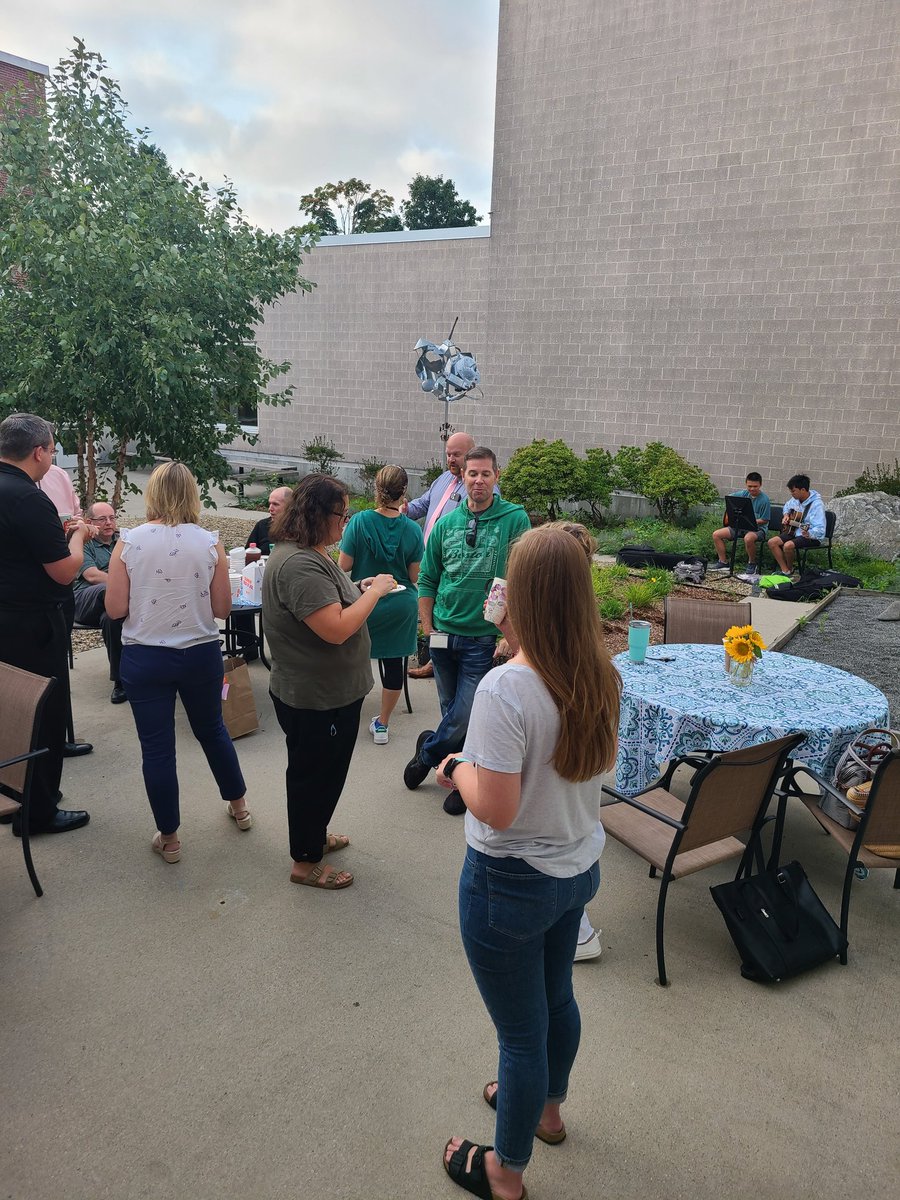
[589, 949]
[379, 732]
[749, 576]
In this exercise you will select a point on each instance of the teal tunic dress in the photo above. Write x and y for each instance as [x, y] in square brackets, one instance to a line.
[382, 545]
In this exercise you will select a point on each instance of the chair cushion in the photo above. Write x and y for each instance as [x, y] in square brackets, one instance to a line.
[652, 839]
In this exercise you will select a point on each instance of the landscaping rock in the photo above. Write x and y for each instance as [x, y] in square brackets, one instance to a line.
[870, 519]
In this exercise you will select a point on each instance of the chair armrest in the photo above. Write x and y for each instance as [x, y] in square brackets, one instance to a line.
[644, 808]
[11, 762]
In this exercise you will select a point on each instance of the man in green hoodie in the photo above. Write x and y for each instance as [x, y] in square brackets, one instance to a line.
[466, 549]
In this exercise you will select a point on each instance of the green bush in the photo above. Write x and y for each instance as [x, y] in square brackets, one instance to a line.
[541, 476]
[666, 479]
[432, 470]
[879, 478]
[368, 469]
[598, 481]
[323, 455]
[612, 609]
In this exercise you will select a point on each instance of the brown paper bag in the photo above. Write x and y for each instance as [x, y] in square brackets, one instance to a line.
[238, 705]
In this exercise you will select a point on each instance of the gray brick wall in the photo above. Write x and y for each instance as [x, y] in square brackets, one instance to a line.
[694, 237]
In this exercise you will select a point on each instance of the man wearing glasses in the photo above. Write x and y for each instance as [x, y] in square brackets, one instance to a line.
[90, 590]
[464, 552]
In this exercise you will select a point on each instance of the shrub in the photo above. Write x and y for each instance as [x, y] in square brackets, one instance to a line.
[612, 609]
[368, 469]
[431, 471]
[598, 481]
[640, 595]
[879, 478]
[665, 478]
[541, 476]
[323, 455]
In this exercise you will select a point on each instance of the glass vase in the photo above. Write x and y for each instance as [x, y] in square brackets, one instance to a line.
[741, 674]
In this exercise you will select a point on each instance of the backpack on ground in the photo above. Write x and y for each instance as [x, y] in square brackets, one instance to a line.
[646, 556]
[813, 584]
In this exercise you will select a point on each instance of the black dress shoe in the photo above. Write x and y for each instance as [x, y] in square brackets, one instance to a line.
[76, 749]
[454, 805]
[117, 696]
[61, 822]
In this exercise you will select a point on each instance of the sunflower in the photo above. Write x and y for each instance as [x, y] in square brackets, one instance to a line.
[740, 649]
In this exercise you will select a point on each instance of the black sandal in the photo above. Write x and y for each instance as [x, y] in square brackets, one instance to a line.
[472, 1177]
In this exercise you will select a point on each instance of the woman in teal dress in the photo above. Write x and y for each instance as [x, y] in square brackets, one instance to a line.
[384, 541]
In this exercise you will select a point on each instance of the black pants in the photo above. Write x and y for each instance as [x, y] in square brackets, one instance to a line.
[90, 610]
[245, 631]
[37, 641]
[319, 746]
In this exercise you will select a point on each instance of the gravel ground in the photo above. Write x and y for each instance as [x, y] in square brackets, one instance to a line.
[847, 635]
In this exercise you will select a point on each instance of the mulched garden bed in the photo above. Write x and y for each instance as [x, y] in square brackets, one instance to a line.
[716, 589]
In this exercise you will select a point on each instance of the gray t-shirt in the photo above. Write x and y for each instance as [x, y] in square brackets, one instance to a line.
[514, 727]
[308, 672]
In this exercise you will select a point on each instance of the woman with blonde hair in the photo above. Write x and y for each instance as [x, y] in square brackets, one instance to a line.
[377, 540]
[169, 579]
[542, 730]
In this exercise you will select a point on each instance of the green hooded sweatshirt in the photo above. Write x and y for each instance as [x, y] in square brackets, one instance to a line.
[457, 575]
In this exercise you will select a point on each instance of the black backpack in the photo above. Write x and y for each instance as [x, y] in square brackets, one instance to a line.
[813, 584]
[646, 556]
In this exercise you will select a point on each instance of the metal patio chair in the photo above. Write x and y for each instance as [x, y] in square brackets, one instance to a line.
[22, 697]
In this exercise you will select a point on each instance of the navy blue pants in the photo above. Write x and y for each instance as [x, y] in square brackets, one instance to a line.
[152, 677]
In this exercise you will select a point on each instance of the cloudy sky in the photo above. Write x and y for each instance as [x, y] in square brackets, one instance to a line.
[281, 95]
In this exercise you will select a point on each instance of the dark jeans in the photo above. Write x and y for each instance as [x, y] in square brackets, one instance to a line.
[519, 929]
[36, 640]
[319, 747]
[457, 672]
[91, 611]
[152, 677]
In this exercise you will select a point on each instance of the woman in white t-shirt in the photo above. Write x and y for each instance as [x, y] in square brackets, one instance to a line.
[169, 579]
[543, 729]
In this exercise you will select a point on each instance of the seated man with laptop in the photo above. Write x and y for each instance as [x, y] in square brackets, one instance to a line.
[747, 514]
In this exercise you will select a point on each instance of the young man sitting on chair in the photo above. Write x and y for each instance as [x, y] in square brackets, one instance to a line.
[762, 510]
[802, 523]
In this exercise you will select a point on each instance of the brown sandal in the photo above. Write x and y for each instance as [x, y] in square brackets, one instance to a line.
[544, 1135]
[335, 842]
[323, 877]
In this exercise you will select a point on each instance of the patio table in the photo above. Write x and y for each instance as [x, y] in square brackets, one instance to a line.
[673, 708]
[234, 636]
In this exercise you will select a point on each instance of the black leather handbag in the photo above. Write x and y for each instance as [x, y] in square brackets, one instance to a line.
[778, 923]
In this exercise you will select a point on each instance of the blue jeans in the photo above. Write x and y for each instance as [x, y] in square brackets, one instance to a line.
[152, 676]
[519, 929]
[457, 672]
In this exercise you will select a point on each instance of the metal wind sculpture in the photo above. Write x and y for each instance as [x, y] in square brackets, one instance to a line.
[446, 372]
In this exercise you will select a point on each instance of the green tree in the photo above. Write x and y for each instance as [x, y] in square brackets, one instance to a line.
[541, 476]
[323, 454]
[350, 206]
[598, 481]
[434, 204]
[129, 294]
[664, 477]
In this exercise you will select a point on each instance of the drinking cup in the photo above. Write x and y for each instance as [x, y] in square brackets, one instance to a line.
[495, 605]
[638, 640]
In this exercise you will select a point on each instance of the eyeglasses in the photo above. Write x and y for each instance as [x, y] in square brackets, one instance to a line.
[471, 531]
[345, 515]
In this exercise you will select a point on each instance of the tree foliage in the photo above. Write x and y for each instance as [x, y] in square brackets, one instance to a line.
[323, 454]
[129, 293]
[665, 478]
[350, 206]
[541, 476]
[434, 204]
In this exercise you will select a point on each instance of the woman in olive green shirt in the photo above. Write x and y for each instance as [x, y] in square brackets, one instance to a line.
[315, 621]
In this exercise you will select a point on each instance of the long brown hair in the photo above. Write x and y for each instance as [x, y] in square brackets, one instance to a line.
[553, 610]
[390, 485]
[304, 518]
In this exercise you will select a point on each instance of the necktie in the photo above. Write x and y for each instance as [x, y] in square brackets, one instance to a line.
[438, 509]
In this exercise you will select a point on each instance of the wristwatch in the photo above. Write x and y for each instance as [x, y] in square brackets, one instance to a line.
[452, 764]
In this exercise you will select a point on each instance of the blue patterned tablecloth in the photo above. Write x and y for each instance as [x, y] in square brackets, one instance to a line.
[673, 708]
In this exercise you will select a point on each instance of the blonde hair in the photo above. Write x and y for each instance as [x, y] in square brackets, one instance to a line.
[553, 610]
[390, 485]
[172, 495]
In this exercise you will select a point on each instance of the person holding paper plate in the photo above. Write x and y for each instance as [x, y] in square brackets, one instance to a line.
[384, 540]
[321, 673]
[169, 579]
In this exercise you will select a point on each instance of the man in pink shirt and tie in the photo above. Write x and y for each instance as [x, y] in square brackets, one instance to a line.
[444, 495]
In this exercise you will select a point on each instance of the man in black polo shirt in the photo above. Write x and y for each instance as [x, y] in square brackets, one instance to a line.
[38, 567]
[242, 623]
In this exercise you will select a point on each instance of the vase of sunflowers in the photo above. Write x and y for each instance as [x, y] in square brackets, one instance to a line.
[743, 648]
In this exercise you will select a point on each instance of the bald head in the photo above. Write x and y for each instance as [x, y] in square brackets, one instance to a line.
[458, 446]
[278, 499]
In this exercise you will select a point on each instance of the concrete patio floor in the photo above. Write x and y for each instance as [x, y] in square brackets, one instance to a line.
[207, 1030]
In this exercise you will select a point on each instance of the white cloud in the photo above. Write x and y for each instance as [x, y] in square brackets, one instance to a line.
[283, 95]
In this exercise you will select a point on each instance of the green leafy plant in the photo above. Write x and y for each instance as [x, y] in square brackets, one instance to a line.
[611, 609]
[672, 483]
[368, 469]
[880, 478]
[323, 455]
[432, 470]
[599, 480]
[541, 476]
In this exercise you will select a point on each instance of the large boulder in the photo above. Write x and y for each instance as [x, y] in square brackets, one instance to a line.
[870, 519]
